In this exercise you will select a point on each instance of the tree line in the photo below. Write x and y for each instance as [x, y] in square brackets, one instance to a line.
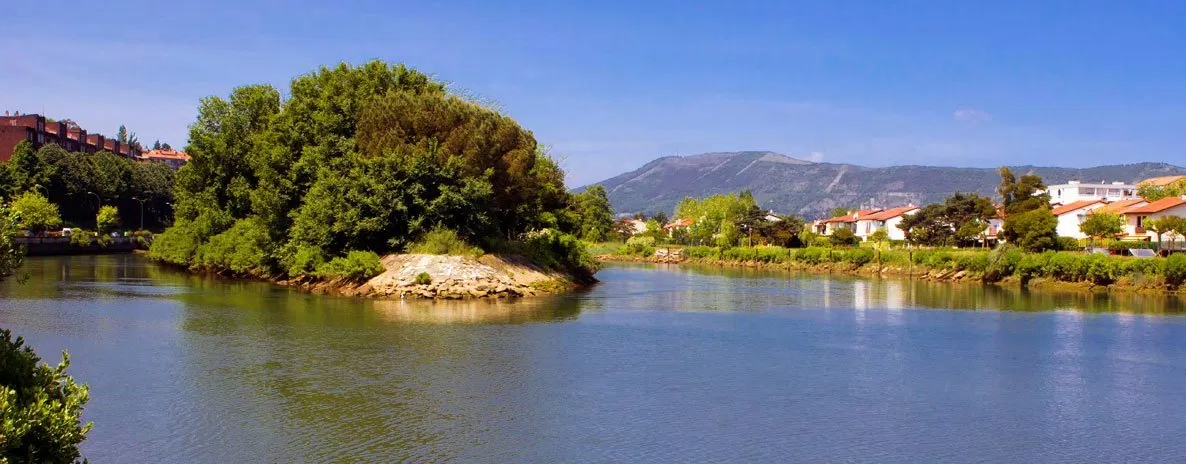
[79, 184]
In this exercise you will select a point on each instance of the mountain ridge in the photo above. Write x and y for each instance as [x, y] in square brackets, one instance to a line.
[795, 186]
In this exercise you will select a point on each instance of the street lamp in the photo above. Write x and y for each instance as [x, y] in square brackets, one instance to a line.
[42, 187]
[100, 200]
[141, 212]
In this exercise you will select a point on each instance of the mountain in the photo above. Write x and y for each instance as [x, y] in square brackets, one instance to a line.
[810, 189]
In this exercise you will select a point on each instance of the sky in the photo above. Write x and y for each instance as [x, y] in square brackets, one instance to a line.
[612, 85]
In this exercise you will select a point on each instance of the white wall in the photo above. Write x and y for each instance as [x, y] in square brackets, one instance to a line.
[1068, 223]
[1131, 221]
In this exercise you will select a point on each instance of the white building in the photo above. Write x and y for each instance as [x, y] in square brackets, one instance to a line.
[1136, 216]
[885, 219]
[1071, 215]
[1074, 191]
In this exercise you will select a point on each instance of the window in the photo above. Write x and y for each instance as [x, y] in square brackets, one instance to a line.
[1140, 221]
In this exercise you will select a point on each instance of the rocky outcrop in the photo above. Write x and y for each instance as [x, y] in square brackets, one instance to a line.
[459, 277]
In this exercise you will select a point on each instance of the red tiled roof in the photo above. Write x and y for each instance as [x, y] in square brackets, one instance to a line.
[679, 223]
[1074, 206]
[1118, 207]
[890, 213]
[165, 154]
[1157, 206]
[854, 217]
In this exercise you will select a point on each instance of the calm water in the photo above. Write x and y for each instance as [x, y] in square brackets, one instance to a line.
[654, 365]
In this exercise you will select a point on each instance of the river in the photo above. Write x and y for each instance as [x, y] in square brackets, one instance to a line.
[655, 364]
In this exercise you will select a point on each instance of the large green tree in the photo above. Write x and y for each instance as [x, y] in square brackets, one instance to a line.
[595, 215]
[958, 221]
[36, 213]
[1102, 225]
[1029, 221]
[716, 218]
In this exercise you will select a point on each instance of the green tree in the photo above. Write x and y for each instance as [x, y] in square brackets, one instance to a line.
[844, 237]
[594, 214]
[107, 219]
[36, 213]
[1175, 226]
[1033, 230]
[40, 407]
[717, 217]
[11, 254]
[784, 232]
[661, 218]
[1159, 227]
[26, 169]
[1102, 225]
[1153, 193]
[1029, 221]
[960, 220]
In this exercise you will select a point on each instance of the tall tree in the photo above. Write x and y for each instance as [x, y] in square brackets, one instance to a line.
[1029, 221]
[122, 134]
[594, 214]
[1102, 225]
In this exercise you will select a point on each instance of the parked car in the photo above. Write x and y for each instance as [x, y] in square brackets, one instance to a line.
[66, 231]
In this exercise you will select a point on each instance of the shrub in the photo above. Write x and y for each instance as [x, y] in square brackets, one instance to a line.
[558, 251]
[107, 219]
[772, 254]
[36, 213]
[441, 241]
[1066, 266]
[740, 254]
[896, 257]
[1031, 265]
[41, 406]
[1119, 246]
[356, 265]
[1141, 267]
[1002, 262]
[304, 261]
[973, 261]
[1067, 244]
[176, 245]
[844, 237]
[702, 252]
[639, 245]
[1101, 269]
[812, 255]
[82, 238]
[423, 278]
[245, 249]
[1175, 269]
[821, 242]
[935, 259]
[858, 256]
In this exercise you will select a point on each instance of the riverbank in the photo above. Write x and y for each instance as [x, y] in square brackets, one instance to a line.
[1005, 267]
[447, 277]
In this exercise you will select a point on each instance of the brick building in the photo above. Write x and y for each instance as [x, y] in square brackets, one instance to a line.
[15, 128]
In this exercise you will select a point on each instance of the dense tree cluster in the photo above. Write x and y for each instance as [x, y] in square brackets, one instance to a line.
[367, 157]
[1029, 221]
[79, 183]
[961, 220]
[1152, 192]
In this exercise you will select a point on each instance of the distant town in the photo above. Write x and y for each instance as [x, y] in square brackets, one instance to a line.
[40, 130]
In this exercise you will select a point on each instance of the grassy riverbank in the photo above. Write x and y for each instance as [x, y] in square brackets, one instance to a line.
[1002, 265]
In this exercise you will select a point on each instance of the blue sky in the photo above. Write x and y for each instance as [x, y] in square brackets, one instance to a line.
[612, 85]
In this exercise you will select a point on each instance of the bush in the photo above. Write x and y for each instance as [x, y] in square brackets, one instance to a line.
[1002, 262]
[858, 256]
[812, 255]
[558, 251]
[772, 254]
[82, 238]
[1141, 267]
[441, 241]
[972, 261]
[640, 245]
[176, 245]
[820, 242]
[244, 249]
[844, 237]
[1066, 266]
[1120, 246]
[702, 252]
[356, 265]
[1067, 244]
[1032, 265]
[41, 407]
[423, 278]
[1175, 269]
[934, 259]
[304, 261]
[107, 219]
[36, 213]
[1101, 269]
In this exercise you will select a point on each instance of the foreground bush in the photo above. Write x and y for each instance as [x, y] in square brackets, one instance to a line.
[557, 251]
[244, 249]
[40, 407]
[356, 265]
[1175, 270]
[640, 246]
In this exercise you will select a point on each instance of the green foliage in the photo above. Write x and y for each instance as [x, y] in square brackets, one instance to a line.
[813, 255]
[244, 249]
[718, 217]
[1022, 195]
[1153, 193]
[11, 254]
[1101, 269]
[423, 278]
[558, 251]
[36, 213]
[82, 238]
[858, 256]
[844, 237]
[1067, 244]
[970, 261]
[1102, 225]
[879, 236]
[640, 246]
[1069, 267]
[840, 211]
[1175, 270]
[1033, 230]
[1003, 261]
[594, 215]
[440, 241]
[786, 232]
[960, 220]
[40, 407]
[356, 266]
[107, 219]
[702, 252]
[370, 157]
[1032, 265]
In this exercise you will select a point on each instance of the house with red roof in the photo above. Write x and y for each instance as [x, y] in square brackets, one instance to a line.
[848, 221]
[887, 219]
[175, 159]
[1071, 215]
[1136, 216]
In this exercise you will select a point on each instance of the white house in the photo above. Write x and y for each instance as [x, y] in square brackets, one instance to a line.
[1071, 215]
[1136, 216]
[1074, 191]
[848, 221]
[885, 219]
